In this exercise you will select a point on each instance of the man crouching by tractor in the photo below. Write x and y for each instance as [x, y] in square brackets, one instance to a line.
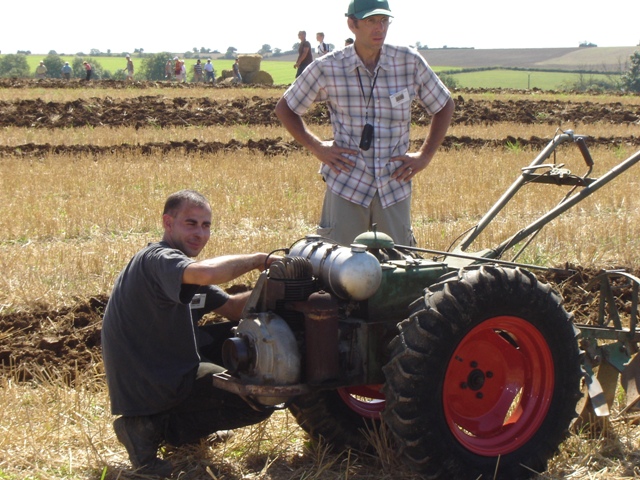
[158, 382]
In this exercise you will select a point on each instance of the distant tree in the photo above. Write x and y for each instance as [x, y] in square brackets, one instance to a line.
[266, 48]
[631, 78]
[24, 52]
[195, 49]
[231, 53]
[14, 66]
[54, 65]
[109, 51]
[586, 44]
[277, 52]
[52, 52]
[449, 80]
[95, 52]
[153, 65]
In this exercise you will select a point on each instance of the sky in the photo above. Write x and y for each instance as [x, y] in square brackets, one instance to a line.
[71, 26]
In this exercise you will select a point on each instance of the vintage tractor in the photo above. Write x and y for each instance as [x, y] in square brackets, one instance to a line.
[471, 362]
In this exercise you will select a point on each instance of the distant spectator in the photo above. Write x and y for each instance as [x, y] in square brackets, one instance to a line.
[305, 57]
[183, 71]
[177, 69]
[66, 71]
[197, 71]
[323, 48]
[168, 69]
[348, 41]
[87, 68]
[41, 70]
[237, 78]
[209, 72]
[129, 68]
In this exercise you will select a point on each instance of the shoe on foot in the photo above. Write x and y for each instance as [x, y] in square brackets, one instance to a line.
[157, 467]
[141, 436]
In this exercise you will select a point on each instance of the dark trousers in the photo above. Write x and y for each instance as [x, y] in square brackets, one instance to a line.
[207, 410]
[88, 75]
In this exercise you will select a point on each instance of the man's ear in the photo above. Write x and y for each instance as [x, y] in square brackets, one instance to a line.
[167, 221]
[351, 24]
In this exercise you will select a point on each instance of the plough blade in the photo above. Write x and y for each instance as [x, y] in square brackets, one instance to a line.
[597, 396]
[630, 380]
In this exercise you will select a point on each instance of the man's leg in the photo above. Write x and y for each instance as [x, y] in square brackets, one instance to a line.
[141, 436]
[395, 220]
[208, 410]
[341, 220]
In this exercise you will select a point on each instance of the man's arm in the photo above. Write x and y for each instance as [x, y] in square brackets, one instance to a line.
[416, 162]
[223, 269]
[326, 152]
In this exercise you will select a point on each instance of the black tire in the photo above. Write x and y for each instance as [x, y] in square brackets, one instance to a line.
[450, 407]
[332, 417]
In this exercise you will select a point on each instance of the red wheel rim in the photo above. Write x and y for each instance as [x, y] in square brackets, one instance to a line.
[498, 386]
[366, 400]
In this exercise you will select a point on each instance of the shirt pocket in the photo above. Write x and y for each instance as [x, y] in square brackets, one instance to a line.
[395, 105]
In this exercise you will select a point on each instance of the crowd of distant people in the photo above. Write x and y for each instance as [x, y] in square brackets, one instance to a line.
[176, 69]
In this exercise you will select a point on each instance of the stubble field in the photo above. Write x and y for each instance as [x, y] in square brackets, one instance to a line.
[85, 169]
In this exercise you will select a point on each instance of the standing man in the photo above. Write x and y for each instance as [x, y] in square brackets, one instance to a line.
[157, 380]
[237, 76]
[41, 70]
[168, 70]
[197, 71]
[129, 68]
[66, 71]
[177, 69]
[209, 72]
[87, 68]
[305, 57]
[323, 48]
[368, 89]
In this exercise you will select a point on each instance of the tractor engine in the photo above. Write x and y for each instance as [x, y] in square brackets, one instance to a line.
[289, 333]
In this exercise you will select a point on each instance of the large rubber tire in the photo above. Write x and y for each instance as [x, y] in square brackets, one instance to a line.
[340, 417]
[484, 376]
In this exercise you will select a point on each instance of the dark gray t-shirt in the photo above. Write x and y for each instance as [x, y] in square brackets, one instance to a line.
[148, 338]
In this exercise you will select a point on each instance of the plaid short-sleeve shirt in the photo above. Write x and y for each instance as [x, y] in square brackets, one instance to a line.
[383, 99]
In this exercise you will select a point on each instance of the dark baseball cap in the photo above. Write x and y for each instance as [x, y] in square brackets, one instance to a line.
[367, 8]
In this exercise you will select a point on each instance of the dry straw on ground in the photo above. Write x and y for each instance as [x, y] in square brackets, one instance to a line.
[72, 222]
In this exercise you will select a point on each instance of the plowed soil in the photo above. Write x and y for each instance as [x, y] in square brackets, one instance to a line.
[68, 340]
[37, 338]
[159, 112]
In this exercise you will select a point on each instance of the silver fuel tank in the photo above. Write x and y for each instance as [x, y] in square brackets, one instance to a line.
[350, 273]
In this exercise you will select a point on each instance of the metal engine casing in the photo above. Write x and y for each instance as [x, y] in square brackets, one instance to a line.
[264, 351]
[350, 273]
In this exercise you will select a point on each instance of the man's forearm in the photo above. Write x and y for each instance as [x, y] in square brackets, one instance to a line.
[296, 126]
[438, 130]
[222, 269]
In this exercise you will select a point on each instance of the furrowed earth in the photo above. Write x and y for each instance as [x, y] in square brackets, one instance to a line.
[68, 340]
[35, 337]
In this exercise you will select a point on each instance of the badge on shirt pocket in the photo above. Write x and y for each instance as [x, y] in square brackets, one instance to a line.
[198, 301]
[400, 97]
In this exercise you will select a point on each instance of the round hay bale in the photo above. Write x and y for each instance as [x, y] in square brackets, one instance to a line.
[249, 63]
[263, 78]
[248, 77]
[227, 73]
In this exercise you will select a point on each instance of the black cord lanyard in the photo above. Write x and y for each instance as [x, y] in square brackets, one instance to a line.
[366, 112]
